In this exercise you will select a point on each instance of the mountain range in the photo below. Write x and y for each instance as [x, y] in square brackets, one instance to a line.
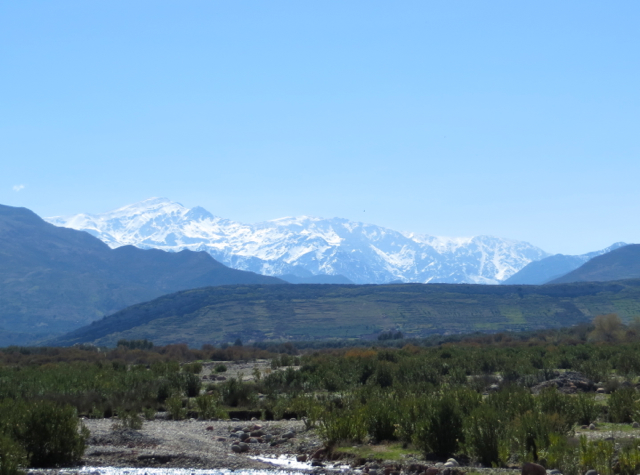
[304, 247]
[57, 279]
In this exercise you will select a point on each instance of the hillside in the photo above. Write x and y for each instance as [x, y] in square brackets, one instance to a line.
[622, 263]
[57, 279]
[222, 314]
[305, 246]
[552, 267]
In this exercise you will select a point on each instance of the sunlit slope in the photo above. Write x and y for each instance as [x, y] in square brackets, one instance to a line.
[221, 314]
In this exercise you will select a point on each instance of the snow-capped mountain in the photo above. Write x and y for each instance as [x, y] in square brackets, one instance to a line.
[306, 246]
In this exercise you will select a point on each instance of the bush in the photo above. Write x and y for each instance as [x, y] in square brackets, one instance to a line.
[563, 455]
[380, 417]
[623, 405]
[12, 457]
[344, 423]
[441, 430]
[192, 385]
[486, 436]
[175, 409]
[50, 435]
[220, 368]
[237, 393]
[193, 368]
[586, 408]
[209, 407]
[128, 419]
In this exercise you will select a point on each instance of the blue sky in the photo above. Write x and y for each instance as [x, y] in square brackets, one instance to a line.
[453, 118]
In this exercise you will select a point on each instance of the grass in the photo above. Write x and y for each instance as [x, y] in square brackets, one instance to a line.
[390, 451]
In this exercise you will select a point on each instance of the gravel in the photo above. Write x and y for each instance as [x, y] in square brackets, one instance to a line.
[191, 444]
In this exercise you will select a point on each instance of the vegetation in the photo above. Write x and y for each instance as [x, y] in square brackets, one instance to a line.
[241, 313]
[486, 398]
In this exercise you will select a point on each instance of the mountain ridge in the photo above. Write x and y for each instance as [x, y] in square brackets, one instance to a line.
[553, 267]
[621, 263]
[363, 253]
[216, 315]
[56, 279]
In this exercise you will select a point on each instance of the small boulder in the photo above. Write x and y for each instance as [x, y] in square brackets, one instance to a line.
[244, 436]
[243, 447]
[257, 433]
[452, 463]
[555, 471]
[288, 435]
[251, 440]
[209, 428]
[318, 463]
[636, 425]
[601, 390]
[533, 469]
[592, 426]
[591, 472]
[301, 458]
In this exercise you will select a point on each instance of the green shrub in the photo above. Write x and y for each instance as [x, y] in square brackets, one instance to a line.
[237, 393]
[440, 430]
[149, 413]
[586, 408]
[629, 459]
[531, 433]
[380, 417]
[12, 457]
[598, 455]
[191, 385]
[209, 407]
[486, 436]
[220, 368]
[308, 408]
[342, 423]
[563, 455]
[50, 435]
[193, 368]
[551, 401]
[410, 411]
[128, 419]
[175, 409]
[623, 405]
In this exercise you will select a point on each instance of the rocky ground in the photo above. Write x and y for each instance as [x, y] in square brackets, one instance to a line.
[195, 444]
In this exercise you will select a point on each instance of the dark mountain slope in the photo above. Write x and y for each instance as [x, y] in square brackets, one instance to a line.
[552, 267]
[56, 279]
[621, 263]
[542, 271]
[258, 312]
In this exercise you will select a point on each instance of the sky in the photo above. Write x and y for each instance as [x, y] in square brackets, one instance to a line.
[450, 118]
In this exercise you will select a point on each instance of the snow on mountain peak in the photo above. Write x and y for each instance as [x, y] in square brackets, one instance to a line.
[364, 253]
